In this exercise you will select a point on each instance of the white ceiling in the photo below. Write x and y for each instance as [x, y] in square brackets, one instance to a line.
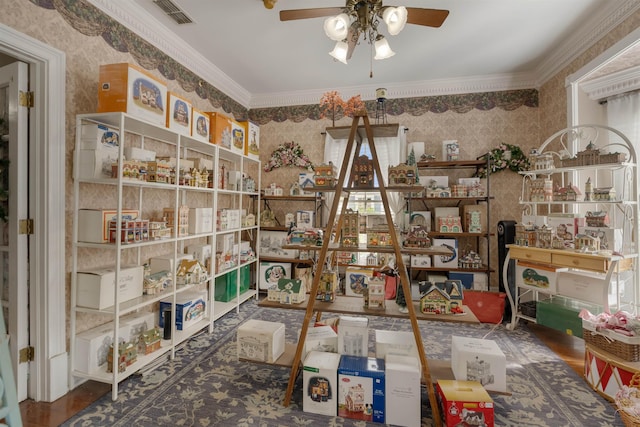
[247, 52]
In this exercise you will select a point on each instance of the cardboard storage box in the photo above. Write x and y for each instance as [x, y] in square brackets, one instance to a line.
[465, 278]
[402, 390]
[271, 243]
[305, 220]
[226, 287]
[129, 89]
[166, 262]
[464, 403]
[401, 343]
[178, 114]
[449, 261]
[92, 346]
[561, 314]
[97, 163]
[271, 272]
[585, 286]
[200, 252]
[93, 224]
[474, 218]
[537, 277]
[610, 238]
[137, 323]
[226, 132]
[320, 383]
[321, 338]
[134, 153]
[200, 126]
[200, 220]
[191, 307]
[353, 336]
[361, 388]
[423, 261]
[202, 163]
[474, 359]
[96, 288]
[94, 136]
[261, 340]
[252, 139]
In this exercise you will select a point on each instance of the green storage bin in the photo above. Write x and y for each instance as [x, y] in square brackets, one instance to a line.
[562, 314]
[226, 287]
[245, 278]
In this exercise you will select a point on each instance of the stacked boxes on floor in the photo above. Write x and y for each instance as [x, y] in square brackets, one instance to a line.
[464, 403]
[260, 340]
[474, 359]
[361, 388]
[320, 383]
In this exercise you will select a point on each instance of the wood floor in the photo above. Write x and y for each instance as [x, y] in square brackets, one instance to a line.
[41, 414]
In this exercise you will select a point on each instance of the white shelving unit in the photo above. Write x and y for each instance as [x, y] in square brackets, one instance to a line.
[612, 270]
[150, 198]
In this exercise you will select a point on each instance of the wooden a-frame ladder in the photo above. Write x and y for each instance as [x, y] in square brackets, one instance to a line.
[332, 227]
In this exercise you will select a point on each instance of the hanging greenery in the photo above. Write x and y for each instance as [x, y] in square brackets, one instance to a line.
[505, 156]
[288, 154]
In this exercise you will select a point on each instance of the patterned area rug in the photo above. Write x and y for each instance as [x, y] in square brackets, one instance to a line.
[205, 385]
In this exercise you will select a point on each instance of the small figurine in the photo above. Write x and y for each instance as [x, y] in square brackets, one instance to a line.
[588, 190]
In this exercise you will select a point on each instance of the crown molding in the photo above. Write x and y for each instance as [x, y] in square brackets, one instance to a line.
[138, 20]
[610, 16]
[473, 84]
[613, 84]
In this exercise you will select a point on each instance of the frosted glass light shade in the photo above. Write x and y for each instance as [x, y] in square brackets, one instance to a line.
[383, 50]
[339, 52]
[337, 27]
[395, 18]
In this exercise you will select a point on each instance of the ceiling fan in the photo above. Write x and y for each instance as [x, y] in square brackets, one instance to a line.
[362, 17]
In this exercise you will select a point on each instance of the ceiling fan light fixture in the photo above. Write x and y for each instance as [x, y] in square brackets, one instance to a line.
[383, 50]
[339, 52]
[395, 18]
[337, 27]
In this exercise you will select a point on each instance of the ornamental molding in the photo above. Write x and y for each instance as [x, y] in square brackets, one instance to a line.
[613, 84]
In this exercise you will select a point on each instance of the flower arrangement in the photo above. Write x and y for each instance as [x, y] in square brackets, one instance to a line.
[505, 156]
[288, 154]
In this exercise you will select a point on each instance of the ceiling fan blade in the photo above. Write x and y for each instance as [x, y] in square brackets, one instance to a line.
[427, 17]
[352, 40]
[290, 15]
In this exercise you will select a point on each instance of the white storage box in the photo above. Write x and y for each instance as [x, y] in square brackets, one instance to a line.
[537, 277]
[353, 336]
[95, 288]
[610, 238]
[97, 164]
[402, 343]
[449, 261]
[94, 136]
[305, 220]
[402, 390]
[137, 323]
[200, 220]
[261, 340]
[133, 153]
[92, 346]
[200, 252]
[421, 218]
[166, 262]
[584, 286]
[474, 359]
[271, 272]
[191, 307]
[321, 338]
[178, 114]
[423, 261]
[320, 383]
[361, 388]
[271, 245]
[200, 127]
[93, 224]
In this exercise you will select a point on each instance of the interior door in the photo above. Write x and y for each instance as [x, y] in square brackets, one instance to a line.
[14, 197]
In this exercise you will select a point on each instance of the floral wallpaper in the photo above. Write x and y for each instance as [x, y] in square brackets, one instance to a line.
[479, 122]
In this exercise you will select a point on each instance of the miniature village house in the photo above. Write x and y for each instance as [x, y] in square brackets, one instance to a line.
[586, 243]
[190, 271]
[449, 224]
[149, 341]
[350, 224]
[328, 286]
[543, 161]
[604, 194]
[597, 219]
[158, 171]
[570, 193]
[128, 354]
[362, 172]
[287, 291]
[591, 156]
[325, 176]
[374, 292]
[442, 298]
[181, 223]
[403, 174]
[418, 237]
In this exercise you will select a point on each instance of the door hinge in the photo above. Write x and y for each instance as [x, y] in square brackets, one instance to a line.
[27, 354]
[27, 99]
[26, 226]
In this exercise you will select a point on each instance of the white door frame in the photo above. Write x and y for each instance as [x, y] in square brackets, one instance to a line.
[47, 298]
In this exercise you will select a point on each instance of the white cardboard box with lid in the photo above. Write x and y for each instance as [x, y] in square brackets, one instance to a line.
[320, 383]
[475, 359]
[92, 346]
[260, 340]
[402, 390]
[402, 343]
[95, 288]
[353, 336]
[321, 338]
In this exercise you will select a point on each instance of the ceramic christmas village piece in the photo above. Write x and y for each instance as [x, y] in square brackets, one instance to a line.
[350, 233]
[591, 156]
[158, 230]
[586, 243]
[597, 219]
[418, 237]
[180, 223]
[328, 286]
[403, 174]
[149, 341]
[362, 172]
[374, 293]
[287, 291]
[190, 272]
[470, 261]
[449, 224]
[156, 282]
[604, 194]
[442, 298]
[325, 176]
[128, 354]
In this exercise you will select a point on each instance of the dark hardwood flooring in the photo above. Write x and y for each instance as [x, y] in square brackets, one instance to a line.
[43, 414]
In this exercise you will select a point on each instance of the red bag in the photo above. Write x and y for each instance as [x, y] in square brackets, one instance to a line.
[390, 284]
[487, 306]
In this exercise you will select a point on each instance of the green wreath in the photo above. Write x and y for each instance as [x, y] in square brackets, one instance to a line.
[504, 156]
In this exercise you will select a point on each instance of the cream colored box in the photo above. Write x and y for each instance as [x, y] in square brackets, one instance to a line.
[200, 125]
[200, 220]
[320, 383]
[96, 288]
[475, 359]
[93, 224]
[584, 286]
[139, 322]
[226, 132]
[402, 343]
[185, 164]
[94, 136]
[202, 163]
[165, 262]
[402, 390]
[129, 89]
[92, 346]
[252, 139]
[353, 336]
[134, 153]
[178, 114]
[321, 338]
[260, 340]
[97, 164]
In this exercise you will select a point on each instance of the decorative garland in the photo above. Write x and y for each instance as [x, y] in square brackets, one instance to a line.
[288, 154]
[505, 156]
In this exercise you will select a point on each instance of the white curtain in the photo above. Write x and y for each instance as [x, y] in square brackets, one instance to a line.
[391, 151]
